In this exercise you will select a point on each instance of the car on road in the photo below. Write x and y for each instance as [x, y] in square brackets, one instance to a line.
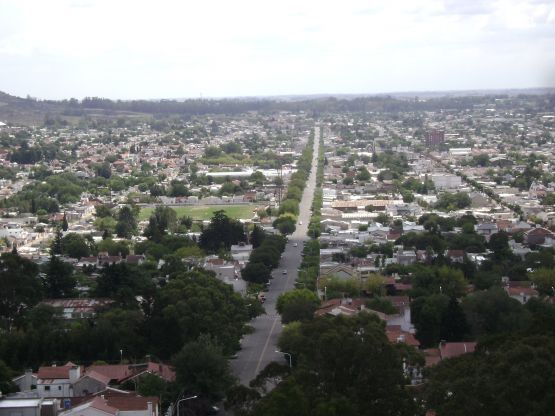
[300, 223]
[284, 272]
[295, 244]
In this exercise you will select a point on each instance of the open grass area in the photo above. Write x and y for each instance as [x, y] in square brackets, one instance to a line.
[205, 212]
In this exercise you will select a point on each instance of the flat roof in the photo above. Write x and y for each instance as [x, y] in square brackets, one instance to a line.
[7, 403]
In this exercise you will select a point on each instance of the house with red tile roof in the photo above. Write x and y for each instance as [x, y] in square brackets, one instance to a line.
[57, 381]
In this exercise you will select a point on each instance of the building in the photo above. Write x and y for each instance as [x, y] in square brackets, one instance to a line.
[445, 181]
[435, 138]
[29, 407]
[78, 308]
[57, 381]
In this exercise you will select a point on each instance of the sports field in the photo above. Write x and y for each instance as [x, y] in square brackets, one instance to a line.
[205, 212]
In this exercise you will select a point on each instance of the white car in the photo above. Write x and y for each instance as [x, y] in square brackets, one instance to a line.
[300, 223]
[295, 244]
[284, 272]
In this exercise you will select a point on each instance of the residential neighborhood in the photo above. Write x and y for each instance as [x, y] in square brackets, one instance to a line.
[132, 247]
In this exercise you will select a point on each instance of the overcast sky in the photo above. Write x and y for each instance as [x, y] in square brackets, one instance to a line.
[174, 49]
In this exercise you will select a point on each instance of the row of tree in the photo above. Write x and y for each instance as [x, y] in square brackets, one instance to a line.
[264, 259]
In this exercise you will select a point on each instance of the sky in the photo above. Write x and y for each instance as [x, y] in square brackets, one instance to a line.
[124, 49]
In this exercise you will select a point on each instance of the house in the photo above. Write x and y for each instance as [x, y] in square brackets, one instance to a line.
[28, 407]
[406, 257]
[444, 181]
[486, 229]
[396, 334]
[521, 293]
[114, 402]
[340, 271]
[27, 381]
[456, 256]
[91, 382]
[95, 407]
[241, 251]
[78, 308]
[538, 236]
[57, 381]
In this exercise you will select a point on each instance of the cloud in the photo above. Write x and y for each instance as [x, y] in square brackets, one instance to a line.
[125, 48]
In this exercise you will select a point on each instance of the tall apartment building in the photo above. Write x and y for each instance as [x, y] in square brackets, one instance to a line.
[434, 137]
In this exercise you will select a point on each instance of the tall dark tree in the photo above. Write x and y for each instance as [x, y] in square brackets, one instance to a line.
[20, 289]
[257, 236]
[201, 368]
[453, 322]
[161, 221]
[58, 280]
[126, 226]
[65, 224]
[124, 282]
[57, 242]
[221, 233]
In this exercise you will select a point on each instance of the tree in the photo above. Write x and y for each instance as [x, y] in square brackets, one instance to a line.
[75, 245]
[383, 219]
[6, 384]
[65, 225]
[453, 201]
[297, 305]
[153, 385]
[289, 206]
[58, 281]
[544, 279]
[57, 243]
[440, 280]
[126, 226]
[257, 236]
[381, 304]
[493, 311]
[201, 368]
[119, 248]
[124, 282]
[103, 170]
[363, 175]
[20, 289]
[221, 233]
[285, 225]
[102, 211]
[256, 272]
[507, 377]
[427, 315]
[344, 365]
[161, 221]
[453, 326]
[192, 304]
[499, 244]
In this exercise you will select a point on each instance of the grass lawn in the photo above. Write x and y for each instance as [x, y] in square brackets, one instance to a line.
[205, 212]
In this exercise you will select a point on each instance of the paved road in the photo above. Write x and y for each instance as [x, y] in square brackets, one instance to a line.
[259, 348]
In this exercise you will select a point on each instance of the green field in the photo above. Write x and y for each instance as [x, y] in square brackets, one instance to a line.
[205, 212]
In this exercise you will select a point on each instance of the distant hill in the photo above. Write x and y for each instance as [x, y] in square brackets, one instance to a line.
[30, 111]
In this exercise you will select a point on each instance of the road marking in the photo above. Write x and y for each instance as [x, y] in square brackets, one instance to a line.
[265, 346]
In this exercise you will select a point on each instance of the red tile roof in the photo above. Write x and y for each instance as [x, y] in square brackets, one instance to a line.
[396, 334]
[454, 349]
[124, 403]
[55, 372]
[114, 372]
